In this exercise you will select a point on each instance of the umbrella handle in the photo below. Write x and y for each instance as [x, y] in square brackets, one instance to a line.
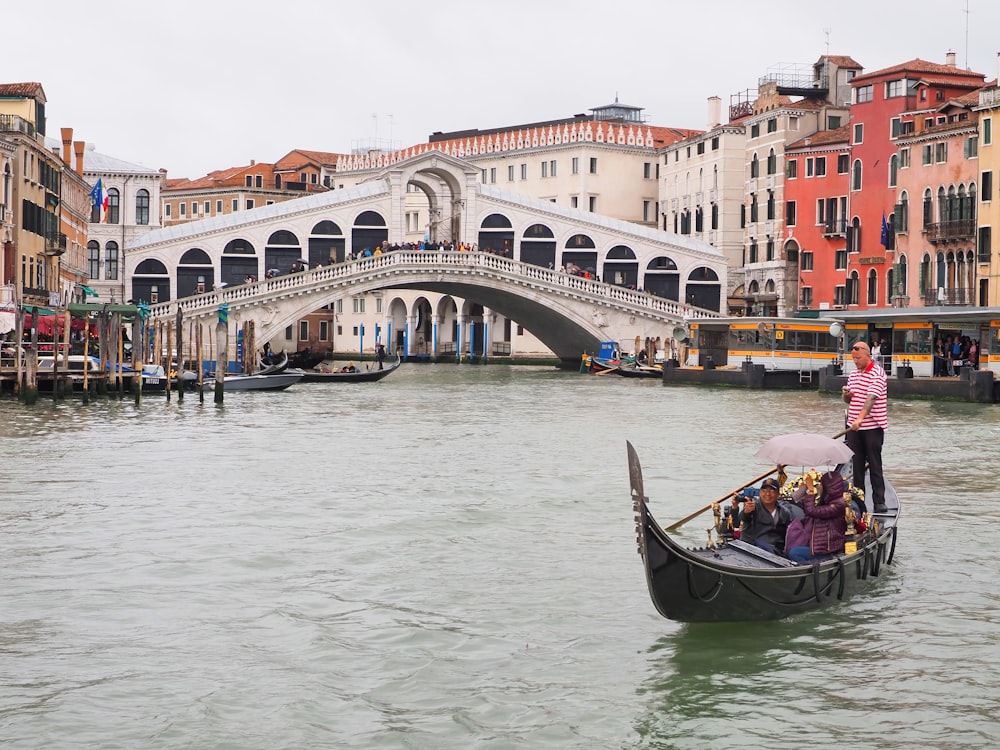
[766, 474]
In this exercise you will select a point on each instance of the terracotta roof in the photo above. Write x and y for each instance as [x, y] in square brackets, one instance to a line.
[31, 88]
[842, 61]
[299, 157]
[823, 138]
[921, 68]
[230, 177]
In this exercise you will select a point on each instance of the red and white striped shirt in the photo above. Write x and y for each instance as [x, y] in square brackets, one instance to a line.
[864, 383]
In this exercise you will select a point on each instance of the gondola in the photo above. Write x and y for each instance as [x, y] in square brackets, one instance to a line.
[359, 376]
[272, 364]
[736, 581]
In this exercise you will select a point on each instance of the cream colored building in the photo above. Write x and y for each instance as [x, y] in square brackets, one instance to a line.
[702, 186]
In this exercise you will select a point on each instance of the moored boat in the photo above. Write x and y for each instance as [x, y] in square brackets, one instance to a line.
[635, 370]
[275, 382]
[737, 581]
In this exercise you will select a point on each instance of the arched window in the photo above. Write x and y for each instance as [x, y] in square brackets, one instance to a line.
[94, 259]
[111, 260]
[901, 278]
[772, 162]
[852, 292]
[872, 287]
[754, 167]
[924, 283]
[855, 244]
[142, 207]
[928, 209]
[114, 206]
[903, 213]
[856, 175]
[893, 170]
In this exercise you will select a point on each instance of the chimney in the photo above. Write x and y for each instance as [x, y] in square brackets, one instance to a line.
[67, 139]
[949, 59]
[79, 147]
[253, 162]
[714, 112]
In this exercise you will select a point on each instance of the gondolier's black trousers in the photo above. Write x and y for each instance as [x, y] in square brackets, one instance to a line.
[867, 447]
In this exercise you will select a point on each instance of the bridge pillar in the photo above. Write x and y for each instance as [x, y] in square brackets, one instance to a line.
[460, 320]
[435, 336]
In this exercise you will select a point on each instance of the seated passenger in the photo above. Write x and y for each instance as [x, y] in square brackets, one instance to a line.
[764, 522]
[825, 524]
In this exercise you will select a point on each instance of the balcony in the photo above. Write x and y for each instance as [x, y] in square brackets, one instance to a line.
[835, 228]
[16, 124]
[951, 231]
[55, 243]
[948, 296]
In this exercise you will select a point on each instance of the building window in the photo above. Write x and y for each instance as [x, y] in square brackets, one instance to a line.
[593, 165]
[872, 287]
[524, 171]
[859, 133]
[111, 261]
[183, 208]
[493, 175]
[833, 122]
[821, 166]
[894, 89]
[715, 216]
[807, 297]
[856, 176]
[790, 213]
[142, 207]
[971, 147]
[645, 210]
[940, 152]
[926, 154]
[94, 259]
[904, 158]
[593, 203]
[236, 205]
[770, 205]
[574, 165]
[753, 251]
[303, 330]
[194, 209]
[114, 206]
[791, 169]
[166, 210]
[843, 164]
[772, 125]
[987, 130]
[986, 191]
[820, 211]
[545, 169]
[769, 249]
[810, 167]
[250, 203]
[772, 162]
[646, 171]
[755, 130]
[218, 207]
[324, 330]
[893, 170]
[840, 260]
[248, 180]
[863, 94]
[510, 173]
[715, 143]
[483, 177]
[574, 201]
[754, 167]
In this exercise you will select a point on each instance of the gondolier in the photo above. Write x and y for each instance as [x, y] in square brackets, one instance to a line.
[867, 419]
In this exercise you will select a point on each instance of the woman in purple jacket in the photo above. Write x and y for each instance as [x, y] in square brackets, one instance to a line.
[824, 506]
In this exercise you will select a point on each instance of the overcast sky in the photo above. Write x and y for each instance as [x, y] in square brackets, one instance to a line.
[197, 86]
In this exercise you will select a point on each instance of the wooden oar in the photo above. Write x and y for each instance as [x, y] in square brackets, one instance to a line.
[605, 372]
[728, 495]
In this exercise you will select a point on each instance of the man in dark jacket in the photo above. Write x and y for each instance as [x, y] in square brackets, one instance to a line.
[765, 522]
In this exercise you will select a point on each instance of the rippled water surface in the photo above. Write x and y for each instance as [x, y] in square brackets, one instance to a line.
[447, 559]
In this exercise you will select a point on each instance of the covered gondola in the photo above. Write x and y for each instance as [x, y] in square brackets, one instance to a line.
[737, 581]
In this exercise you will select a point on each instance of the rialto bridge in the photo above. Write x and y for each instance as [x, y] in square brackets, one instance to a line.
[521, 248]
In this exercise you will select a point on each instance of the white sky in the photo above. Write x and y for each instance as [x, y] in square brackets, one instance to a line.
[198, 85]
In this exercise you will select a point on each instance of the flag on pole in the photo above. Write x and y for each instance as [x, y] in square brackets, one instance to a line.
[99, 198]
[885, 231]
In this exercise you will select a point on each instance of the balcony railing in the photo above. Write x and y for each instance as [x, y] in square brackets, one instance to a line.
[16, 124]
[948, 296]
[55, 243]
[835, 228]
[946, 231]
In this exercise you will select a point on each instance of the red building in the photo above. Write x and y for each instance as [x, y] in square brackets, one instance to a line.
[817, 182]
[880, 100]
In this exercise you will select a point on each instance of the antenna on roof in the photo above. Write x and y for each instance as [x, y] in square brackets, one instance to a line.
[966, 34]
[826, 33]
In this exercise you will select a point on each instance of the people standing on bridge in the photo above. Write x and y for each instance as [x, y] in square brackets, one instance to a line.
[867, 419]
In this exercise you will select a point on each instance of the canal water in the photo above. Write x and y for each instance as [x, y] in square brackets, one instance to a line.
[447, 559]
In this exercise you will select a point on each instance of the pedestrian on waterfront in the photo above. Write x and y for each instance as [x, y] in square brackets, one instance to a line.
[764, 522]
[825, 523]
[867, 418]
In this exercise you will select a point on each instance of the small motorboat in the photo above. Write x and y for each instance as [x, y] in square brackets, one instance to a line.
[737, 581]
[368, 375]
[636, 370]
